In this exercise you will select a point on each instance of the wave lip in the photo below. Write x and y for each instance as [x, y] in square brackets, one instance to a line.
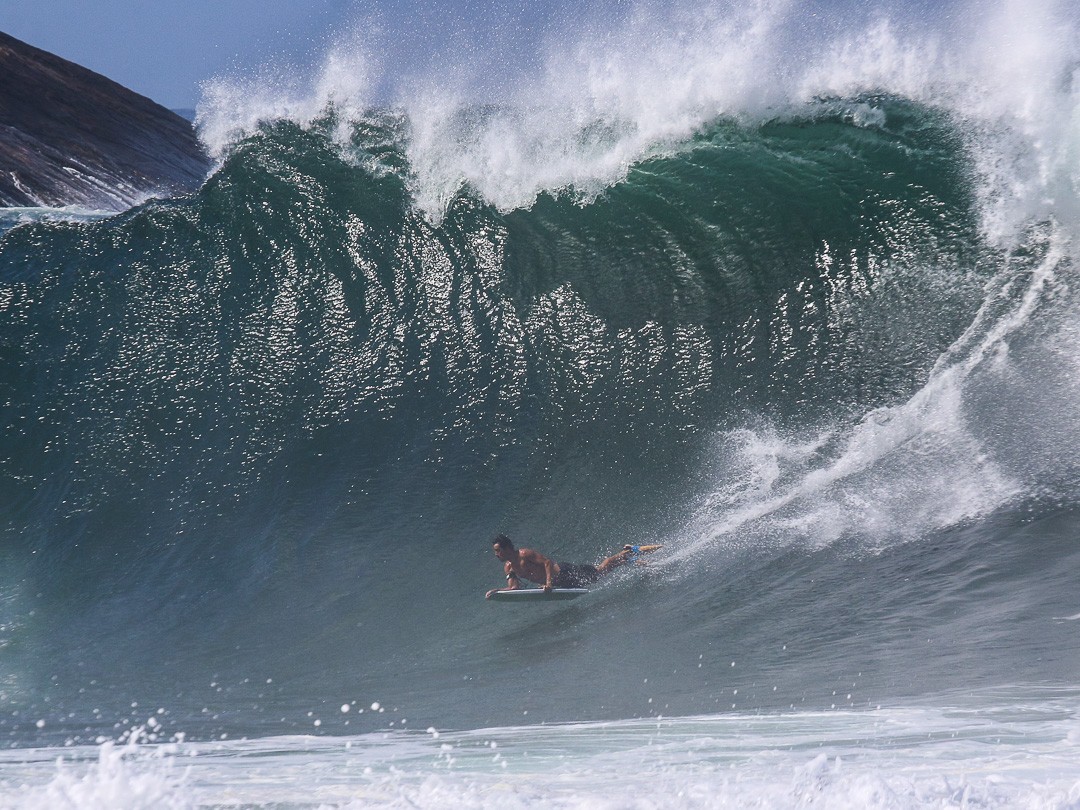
[600, 98]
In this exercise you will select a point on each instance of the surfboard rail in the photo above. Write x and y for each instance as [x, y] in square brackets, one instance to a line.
[538, 595]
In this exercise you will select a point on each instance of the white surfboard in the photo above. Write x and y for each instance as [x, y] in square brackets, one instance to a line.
[538, 595]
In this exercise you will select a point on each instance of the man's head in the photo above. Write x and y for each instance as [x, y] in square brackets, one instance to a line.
[504, 547]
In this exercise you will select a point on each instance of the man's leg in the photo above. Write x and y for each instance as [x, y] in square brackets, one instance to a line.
[628, 554]
[614, 561]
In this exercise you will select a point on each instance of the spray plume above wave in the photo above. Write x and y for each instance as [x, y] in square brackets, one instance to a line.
[604, 99]
[601, 98]
[787, 289]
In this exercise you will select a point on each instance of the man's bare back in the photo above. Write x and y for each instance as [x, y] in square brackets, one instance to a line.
[525, 563]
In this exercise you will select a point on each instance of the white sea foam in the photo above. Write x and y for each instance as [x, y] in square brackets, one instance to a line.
[1020, 754]
[900, 471]
[603, 98]
[124, 776]
[598, 105]
[235, 107]
[1007, 77]
[13, 217]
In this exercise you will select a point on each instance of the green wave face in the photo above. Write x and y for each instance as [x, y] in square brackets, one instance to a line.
[267, 410]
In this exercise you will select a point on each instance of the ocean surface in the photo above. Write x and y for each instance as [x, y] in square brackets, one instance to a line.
[795, 297]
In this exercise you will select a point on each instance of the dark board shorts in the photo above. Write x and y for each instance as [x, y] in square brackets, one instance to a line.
[576, 576]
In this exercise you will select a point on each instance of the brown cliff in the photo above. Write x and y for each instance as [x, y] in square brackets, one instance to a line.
[69, 136]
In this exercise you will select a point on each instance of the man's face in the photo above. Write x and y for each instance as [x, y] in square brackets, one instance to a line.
[501, 552]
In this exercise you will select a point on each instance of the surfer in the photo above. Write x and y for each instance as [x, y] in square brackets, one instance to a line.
[524, 563]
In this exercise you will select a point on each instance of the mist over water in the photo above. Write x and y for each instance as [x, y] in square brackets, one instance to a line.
[784, 287]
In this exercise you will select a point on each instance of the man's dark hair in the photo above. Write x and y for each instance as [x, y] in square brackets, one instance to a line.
[504, 541]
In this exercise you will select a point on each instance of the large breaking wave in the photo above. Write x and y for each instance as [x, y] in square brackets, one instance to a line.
[804, 314]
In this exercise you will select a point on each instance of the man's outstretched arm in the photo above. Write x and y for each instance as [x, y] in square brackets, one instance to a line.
[512, 583]
[549, 571]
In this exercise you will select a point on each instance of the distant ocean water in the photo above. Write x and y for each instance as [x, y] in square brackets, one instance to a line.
[812, 326]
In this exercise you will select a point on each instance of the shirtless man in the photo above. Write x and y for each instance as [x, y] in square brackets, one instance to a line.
[524, 563]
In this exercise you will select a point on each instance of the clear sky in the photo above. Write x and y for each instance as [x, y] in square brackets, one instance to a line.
[164, 48]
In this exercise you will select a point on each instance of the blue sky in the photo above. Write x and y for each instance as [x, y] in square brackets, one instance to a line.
[165, 49]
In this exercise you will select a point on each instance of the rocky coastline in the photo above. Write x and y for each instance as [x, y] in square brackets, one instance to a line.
[69, 136]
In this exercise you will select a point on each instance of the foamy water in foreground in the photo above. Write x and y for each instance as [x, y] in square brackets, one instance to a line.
[993, 751]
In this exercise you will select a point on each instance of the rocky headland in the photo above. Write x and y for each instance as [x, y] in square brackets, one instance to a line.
[69, 136]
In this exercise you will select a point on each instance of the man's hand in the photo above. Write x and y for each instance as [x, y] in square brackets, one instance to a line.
[547, 589]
